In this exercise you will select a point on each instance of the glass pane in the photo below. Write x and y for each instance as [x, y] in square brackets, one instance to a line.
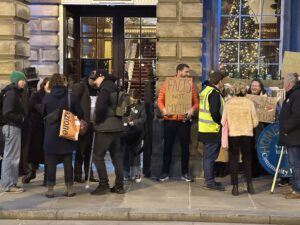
[105, 64]
[105, 26]
[131, 48]
[229, 27]
[88, 27]
[249, 27]
[249, 52]
[148, 47]
[132, 74]
[230, 7]
[104, 48]
[248, 71]
[228, 52]
[270, 27]
[87, 66]
[269, 72]
[251, 8]
[271, 7]
[88, 48]
[269, 52]
[231, 70]
[70, 26]
[132, 27]
[149, 27]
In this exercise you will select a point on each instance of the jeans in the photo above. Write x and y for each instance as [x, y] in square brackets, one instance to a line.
[51, 162]
[103, 142]
[237, 144]
[294, 160]
[171, 128]
[210, 154]
[11, 156]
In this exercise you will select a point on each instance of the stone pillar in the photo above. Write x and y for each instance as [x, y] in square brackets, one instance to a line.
[14, 36]
[179, 31]
[44, 39]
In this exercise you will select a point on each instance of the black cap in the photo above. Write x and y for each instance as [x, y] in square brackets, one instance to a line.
[97, 73]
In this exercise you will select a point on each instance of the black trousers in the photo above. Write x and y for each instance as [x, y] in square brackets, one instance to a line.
[52, 161]
[83, 154]
[171, 129]
[236, 145]
[108, 141]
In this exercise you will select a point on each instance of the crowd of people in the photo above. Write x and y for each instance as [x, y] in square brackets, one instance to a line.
[225, 115]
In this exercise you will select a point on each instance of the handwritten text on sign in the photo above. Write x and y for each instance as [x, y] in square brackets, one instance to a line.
[265, 107]
[178, 95]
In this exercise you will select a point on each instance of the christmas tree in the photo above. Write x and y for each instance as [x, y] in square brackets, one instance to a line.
[248, 53]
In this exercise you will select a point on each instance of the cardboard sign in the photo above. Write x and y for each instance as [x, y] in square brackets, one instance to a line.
[178, 95]
[290, 63]
[265, 107]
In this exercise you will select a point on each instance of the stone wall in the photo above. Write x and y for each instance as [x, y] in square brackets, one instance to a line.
[14, 36]
[44, 39]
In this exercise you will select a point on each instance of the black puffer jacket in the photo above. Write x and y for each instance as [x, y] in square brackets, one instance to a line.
[289, 119]
[14, 110]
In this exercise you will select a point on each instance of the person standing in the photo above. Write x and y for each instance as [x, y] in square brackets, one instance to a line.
[14, 113]
[209, 126]
[289, 129]
[240, 116]
[108, 129]
[177, 124]
[86, 92]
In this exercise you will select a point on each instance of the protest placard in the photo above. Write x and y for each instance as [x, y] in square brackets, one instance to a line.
[265, 107]
[178, 95]
[290, 63]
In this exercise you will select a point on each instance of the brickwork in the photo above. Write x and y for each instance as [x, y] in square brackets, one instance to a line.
[14, 37]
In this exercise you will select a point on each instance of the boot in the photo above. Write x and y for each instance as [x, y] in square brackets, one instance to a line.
[28, 177]
[50, 192]
[69, 191]
[235, 190]
[250, 188]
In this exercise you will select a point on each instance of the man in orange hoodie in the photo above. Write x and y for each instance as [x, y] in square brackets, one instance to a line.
[174, 124]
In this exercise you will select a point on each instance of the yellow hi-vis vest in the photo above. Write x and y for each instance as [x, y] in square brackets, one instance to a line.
[206, 124]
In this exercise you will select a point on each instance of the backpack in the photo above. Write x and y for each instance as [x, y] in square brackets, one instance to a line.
[123, 101]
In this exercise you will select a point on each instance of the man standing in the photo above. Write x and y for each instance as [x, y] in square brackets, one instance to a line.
[174, 124]
[209, 126]
[86, 93]
[108, 128]
[14, 115]
[289, 129]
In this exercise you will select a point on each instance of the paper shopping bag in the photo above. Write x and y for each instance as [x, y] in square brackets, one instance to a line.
[69, 126]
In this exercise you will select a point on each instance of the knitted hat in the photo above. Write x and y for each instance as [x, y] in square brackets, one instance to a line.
[16, 76]
[98, 73]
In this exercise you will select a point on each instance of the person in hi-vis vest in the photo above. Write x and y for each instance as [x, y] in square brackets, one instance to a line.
[209, 126]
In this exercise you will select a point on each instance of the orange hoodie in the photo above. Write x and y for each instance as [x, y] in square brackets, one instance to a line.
[161, 102]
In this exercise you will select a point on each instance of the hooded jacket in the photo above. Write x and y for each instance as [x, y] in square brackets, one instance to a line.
[289, 119]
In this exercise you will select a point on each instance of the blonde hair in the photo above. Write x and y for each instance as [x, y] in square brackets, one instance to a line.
[240, 89]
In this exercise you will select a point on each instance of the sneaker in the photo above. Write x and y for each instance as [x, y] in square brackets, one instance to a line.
[100, 190]
[15, 189]
[117, 189]
[187, 178]
[137, 179]
[163, 177]
[293, 195]
[214, 187]
[283, 183]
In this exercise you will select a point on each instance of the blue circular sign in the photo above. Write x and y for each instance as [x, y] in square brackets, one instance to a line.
[268, 151]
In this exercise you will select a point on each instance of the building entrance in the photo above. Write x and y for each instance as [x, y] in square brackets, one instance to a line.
[120, 39]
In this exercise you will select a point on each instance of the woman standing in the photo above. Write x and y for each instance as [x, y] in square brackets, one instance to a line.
[240, 116]
[58, 149]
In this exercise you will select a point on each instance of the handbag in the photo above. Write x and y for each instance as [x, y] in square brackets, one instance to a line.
[224, 140]
[69, 124]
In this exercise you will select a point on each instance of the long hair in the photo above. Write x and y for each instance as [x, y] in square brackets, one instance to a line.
[261, 85]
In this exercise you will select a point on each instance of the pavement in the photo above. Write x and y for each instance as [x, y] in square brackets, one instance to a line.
[173, 200]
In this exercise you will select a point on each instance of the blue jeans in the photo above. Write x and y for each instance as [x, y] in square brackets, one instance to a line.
[11, 156]
[210, 154]
[294, 160]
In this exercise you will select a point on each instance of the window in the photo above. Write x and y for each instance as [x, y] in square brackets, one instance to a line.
[250, 38]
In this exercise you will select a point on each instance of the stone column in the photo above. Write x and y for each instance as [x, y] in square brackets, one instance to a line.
[44, 39]
[14, 36]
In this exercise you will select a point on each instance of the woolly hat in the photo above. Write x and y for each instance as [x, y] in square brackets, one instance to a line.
[98, 73]
[16, 76]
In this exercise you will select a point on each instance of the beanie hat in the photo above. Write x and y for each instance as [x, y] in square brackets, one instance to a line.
[16, 76]
[97, 73]
[215, 77]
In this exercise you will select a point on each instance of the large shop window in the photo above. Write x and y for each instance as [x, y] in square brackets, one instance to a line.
[250, 43]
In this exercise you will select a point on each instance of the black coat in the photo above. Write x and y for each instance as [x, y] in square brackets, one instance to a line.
[289, 119]
[14, 109]
[58, 98]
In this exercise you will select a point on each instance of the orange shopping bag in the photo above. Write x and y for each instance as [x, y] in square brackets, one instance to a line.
[69, 126]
